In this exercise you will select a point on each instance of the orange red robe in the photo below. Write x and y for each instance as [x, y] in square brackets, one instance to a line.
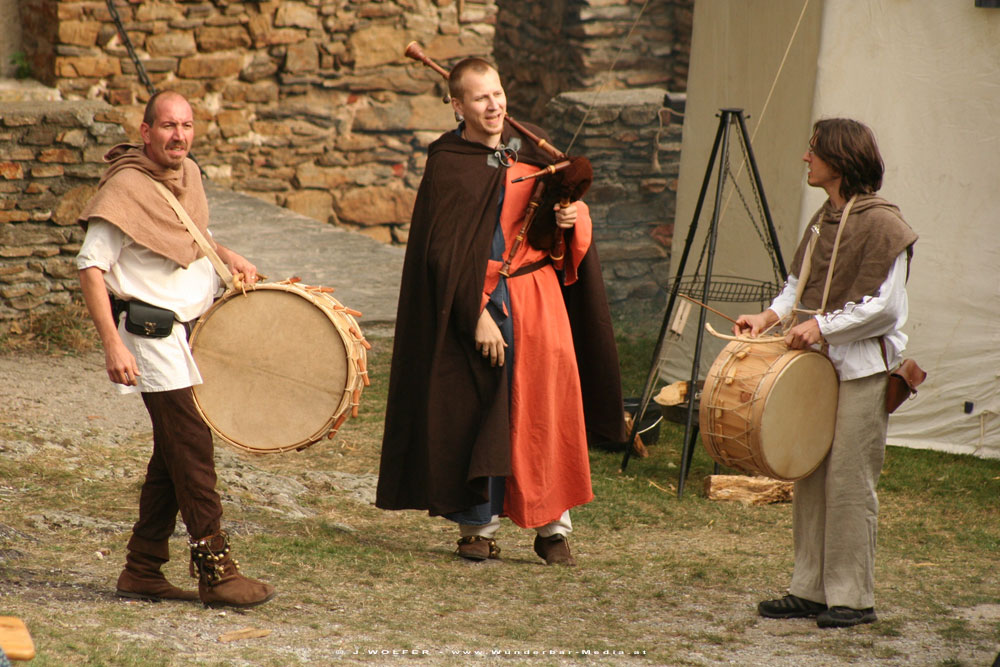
[550, 469]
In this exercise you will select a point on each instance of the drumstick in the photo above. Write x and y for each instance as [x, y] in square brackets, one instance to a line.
[706, 307]
[743, 339]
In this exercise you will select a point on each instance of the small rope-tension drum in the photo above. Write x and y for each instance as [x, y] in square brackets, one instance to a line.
[769, 410]
[282, 365]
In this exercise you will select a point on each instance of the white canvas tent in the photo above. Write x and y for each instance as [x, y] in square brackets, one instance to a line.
[925, 75]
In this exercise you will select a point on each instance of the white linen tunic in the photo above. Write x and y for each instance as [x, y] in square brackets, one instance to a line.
[853, 331]
[132, 271]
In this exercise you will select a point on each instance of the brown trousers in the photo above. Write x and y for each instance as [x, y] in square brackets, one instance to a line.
[181, 471]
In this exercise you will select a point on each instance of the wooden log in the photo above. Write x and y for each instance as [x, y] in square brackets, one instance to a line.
[748, 490]
[15, 639]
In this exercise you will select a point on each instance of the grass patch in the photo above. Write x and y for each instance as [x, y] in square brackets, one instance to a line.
[62, 329]
[661, 580]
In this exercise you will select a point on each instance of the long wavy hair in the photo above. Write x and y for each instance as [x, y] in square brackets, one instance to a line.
[849, 147]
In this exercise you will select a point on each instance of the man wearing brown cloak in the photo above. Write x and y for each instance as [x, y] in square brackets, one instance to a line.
[835, 508]
[495, 380]
[137, 249]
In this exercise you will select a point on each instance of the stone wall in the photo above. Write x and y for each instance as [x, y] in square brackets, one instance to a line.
[50, 161]
[633, 141]
[309, 104]
[545, 48]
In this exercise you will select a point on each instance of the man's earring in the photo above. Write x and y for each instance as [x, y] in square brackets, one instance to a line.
[458, 117]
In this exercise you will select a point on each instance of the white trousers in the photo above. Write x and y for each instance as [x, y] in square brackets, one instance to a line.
[835, 509]
[561, 526]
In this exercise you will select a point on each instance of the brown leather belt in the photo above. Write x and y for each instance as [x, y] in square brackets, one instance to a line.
[529, 268]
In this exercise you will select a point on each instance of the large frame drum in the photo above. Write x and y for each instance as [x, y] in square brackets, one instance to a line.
[282, 366]
[769, 410]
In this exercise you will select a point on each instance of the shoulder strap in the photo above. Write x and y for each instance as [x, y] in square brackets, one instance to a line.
[833, 255]
[220, 266]
[806, 264]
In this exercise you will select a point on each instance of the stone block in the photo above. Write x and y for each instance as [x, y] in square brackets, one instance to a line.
[61, 298]
[176, 44]
[158, 11]
[11, 272]
[26, 302]
[407, 113]
[61, 268]
[85, 170]
[449, 47]
[302, 58]
[213, 66]
[76, 138]
[153, 66]
[11, 171]
[232, 123]
[78, 33]
[297, 15]
[60, 155]
[381, 233]
[30, 234]
[94, 67]
[72, 203]
[39, 136]
[260, 67]
[263, 184]
[315, 204]
[14, 216]
[13, 118]
[377, 205]
[376, 46]
[222, 38]
[19, 153]
[41, 202]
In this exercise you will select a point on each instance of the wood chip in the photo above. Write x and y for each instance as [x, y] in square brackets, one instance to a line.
[748, 490]
[245, 633]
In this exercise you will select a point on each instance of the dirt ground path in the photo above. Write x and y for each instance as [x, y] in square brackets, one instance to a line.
[62, 401]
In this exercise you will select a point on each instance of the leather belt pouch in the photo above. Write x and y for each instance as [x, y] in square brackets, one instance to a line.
[143, 319]
[903, 383]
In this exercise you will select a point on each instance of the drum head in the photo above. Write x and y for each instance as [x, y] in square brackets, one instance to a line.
[797, 424]
[274, 369]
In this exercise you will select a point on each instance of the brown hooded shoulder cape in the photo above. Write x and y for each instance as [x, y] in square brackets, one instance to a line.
[128, 199]
[446, 427]
[874, 235]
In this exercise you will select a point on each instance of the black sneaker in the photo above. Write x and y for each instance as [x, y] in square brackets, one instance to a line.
[790, 606]
[845, 617]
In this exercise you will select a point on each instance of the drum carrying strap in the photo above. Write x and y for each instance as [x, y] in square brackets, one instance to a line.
[807, 261]
[220, 266]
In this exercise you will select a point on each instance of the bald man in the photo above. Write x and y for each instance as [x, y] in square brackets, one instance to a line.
[138, 257]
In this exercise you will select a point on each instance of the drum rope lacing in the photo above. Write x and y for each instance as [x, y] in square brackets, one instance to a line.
[751, 388]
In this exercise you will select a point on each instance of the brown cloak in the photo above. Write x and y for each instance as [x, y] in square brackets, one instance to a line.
[873, 236]
[128, 199]
[446, 427]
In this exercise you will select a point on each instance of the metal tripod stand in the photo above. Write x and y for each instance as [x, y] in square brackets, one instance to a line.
[733, 290]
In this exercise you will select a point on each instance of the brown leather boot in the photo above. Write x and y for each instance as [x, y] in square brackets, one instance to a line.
[142, 579]
[220, 583]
